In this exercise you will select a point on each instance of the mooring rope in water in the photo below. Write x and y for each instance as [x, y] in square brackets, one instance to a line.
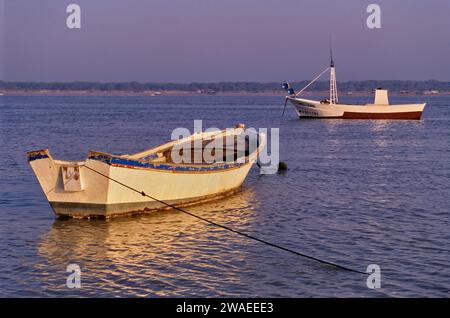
[228, 228]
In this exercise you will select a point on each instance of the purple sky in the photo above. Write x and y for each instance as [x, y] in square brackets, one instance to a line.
[227, 40]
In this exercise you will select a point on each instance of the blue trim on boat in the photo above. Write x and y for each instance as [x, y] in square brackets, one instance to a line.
[110, 160]
[37, 156]
[103, 158]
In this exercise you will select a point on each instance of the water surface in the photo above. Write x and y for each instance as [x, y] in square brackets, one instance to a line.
[356, 193]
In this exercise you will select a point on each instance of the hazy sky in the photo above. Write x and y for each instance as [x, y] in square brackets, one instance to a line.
[226, 40]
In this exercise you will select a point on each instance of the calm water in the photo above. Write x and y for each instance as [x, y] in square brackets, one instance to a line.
[356, 193]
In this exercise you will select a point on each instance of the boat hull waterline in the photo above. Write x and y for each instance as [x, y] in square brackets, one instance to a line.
[314, 109]
[93, 189]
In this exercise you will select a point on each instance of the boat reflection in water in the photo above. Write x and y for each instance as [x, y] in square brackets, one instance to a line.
[381, 133]
[152, 255]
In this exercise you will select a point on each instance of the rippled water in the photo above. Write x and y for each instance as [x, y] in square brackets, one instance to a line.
[356, 193]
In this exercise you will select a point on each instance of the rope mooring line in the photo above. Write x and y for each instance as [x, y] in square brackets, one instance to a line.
[229, 228]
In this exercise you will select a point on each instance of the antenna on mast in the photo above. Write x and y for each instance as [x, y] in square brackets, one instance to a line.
[331, 53]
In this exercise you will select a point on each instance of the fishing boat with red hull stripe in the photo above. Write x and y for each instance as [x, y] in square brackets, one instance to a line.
[332, 108]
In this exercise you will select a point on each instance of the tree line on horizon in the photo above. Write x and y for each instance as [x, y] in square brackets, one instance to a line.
[350, 86]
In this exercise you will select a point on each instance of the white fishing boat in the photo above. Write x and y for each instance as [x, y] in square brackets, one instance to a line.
[106, 185]
[332, 108]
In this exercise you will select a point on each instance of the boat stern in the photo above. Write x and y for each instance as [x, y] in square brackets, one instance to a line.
[68, 185]
[44, 168]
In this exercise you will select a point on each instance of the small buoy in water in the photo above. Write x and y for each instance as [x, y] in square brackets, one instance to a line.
[282, 166]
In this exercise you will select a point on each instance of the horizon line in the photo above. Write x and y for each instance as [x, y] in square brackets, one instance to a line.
[213, 82]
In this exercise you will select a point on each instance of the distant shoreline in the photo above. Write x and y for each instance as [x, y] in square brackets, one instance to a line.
[190, 93]
[354, 88]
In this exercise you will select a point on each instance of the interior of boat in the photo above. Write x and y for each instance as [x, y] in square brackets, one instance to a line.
[204, 151]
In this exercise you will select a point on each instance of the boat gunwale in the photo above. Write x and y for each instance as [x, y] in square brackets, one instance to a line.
[122, 161]
[197, 135]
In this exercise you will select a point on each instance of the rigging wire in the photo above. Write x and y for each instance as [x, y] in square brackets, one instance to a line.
[310, 83]
[229, 228]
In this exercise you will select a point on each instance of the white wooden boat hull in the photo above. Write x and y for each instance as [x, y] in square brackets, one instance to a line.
[306, 108]
[94, 195]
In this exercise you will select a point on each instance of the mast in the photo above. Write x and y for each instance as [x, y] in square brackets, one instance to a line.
[333, 86]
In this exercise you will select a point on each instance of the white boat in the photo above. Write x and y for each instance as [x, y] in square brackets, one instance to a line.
[101, 186]
[332, 108]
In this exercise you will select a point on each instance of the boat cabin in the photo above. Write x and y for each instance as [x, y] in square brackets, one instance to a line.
[381, 97]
